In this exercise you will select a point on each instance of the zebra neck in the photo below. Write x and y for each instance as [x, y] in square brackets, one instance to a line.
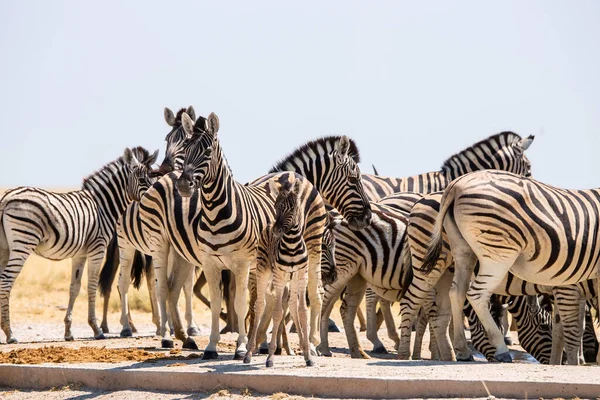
[107, 188]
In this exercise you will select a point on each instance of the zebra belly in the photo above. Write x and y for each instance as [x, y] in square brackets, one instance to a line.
[535, 273]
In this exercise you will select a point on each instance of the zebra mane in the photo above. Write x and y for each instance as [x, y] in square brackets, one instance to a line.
[326, 143]
[496, 141]
[141, 154]
[178, 117]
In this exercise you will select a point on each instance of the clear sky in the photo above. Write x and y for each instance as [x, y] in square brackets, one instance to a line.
[412, 82]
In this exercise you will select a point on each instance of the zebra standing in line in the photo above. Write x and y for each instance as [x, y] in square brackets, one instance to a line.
[282, 258]
[75, 225]
[540, 233]
[132, 241]
[503, 151]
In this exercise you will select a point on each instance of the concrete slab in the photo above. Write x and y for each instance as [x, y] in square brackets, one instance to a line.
[332, 377]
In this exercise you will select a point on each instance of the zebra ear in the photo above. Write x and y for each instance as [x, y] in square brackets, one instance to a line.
[342, 146]
[274, 189]
[152, 158]
[130, 158]
[525, 142]
[188, 125]
[169, 117]
[212, 124]
[190, 111]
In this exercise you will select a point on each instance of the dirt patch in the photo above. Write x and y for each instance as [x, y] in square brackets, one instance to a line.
[59, 354]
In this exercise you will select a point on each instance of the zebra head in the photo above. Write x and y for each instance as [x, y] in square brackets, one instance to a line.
[287, 207]
[328, 266]
[348, 195]
[504, 151]
[175, 150]
[140, 163]
[198, 150]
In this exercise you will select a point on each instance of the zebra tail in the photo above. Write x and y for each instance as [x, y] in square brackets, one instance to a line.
[407, 272]
[109, 269]
[436, 243]
[139, 268]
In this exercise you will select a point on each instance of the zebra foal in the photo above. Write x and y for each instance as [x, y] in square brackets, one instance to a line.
[75, 225]
[282, 258]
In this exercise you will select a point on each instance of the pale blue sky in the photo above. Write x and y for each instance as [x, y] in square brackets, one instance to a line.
[411, 82]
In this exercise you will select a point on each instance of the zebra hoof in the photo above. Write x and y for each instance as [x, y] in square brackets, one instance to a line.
[310, 363]
[380, 350]
[100, 336]
[104, 329]
[166, 344]
[126, 333]
[225, 330]
[503, 358]
[193, 331]
[269, 363]
[466, 359]
[12, 340]
[247, 359]
[239, 355]
[210, 355]
[69, 338]
[190, 344]
[263, 350]
[134, 329]
[278, 351]
[325, 352]
[332, 327]
[508, 341]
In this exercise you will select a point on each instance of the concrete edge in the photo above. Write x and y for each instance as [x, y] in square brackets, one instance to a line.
[47, 376]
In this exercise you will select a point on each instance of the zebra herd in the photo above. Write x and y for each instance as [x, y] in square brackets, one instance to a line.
[444, 244]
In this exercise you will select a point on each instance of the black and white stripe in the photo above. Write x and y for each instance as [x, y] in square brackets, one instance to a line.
[75, 225]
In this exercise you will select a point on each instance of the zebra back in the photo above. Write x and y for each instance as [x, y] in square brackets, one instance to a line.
[503, 151]
[331, 165]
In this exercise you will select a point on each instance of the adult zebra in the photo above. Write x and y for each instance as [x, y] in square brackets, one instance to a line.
[75, 225]
[133, 251]
[176, 219]
[540, 233]
[420, 284]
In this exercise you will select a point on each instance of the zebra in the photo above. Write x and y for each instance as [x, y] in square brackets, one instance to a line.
[214, 221]
[540, 233]
[132, 242]
[504, 150]
[282, 258]
[74, 225]
[419, 285]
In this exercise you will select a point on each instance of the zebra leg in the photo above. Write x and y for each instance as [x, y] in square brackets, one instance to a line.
[265, 320]
[104, 324]
[356, 290]
[421, 327]
[361, 319]
[241, 309]
[506, 327]
[160, 260]
[278, 285]
[458, 296]
[77, 265]
[188, 287]
[315, 294]
[261, 281]
[390, 324]
[558, 339]
[126, 255]
[213, 277]
[282, 329]
[298, 297]
[491, 274]
[180, 273]
[440, 316]
[371, 301]
[94, 265]
[154, 306]
[332, 293]
[569, 303]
